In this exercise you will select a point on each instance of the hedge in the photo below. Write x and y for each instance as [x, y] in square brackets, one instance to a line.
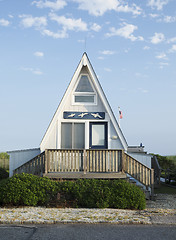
[30, 190]
[3, 173]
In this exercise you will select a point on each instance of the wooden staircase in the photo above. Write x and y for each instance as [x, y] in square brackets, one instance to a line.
[104, 164]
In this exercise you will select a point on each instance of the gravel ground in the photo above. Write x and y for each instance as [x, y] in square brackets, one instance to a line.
[163, 210]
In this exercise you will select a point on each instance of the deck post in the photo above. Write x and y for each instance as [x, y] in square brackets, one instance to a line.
[123, 160]
[46, 161]
[152, 183]
[84, 161]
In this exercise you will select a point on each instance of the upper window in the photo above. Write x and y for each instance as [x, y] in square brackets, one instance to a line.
[84, 85]
[84, 92]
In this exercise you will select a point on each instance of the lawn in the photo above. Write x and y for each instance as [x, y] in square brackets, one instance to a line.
[164, 189]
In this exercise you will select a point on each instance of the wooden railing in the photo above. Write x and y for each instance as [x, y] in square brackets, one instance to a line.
[157, 170]
[60, 160]
[103, 160]
[35, 166]
[83, 160]
[139, 171]
[88, 161]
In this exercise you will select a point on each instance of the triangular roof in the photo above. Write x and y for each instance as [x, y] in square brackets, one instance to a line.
[86, 62]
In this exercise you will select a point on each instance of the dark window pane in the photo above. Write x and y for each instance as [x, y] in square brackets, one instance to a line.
[84, 85]
[84, 99]
[66, 135]
[79, 135]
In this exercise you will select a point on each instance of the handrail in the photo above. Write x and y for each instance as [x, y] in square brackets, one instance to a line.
[35, 166]
[139, 171]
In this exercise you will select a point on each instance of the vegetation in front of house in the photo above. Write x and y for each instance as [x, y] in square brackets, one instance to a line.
[4, 160]
[166, 161]
[3, 173]
[4, 155]
[27, 189]
[168, 167]
[165, 189]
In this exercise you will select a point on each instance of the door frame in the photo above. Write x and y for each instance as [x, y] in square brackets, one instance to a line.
[105, 146]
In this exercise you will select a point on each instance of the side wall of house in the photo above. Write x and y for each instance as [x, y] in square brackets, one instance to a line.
[143, 158]
[18, 158]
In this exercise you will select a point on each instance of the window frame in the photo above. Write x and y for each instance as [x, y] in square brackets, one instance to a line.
[94, 94]
[72, 134]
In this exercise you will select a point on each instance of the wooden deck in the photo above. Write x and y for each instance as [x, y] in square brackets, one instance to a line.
[76, 175]
[103, 164]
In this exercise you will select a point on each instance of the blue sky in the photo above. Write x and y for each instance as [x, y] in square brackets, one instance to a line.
[131, 45]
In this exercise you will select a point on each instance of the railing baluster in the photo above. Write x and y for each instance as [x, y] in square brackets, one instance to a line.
[104, 161]
[91, 161]
[97, 161]
[88, 161]
[93, 156]
[100, 162]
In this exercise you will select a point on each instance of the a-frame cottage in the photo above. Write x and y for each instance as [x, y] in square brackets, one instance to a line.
[84, 139]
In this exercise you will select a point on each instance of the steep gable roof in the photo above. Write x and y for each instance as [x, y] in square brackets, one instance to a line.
[86, 62]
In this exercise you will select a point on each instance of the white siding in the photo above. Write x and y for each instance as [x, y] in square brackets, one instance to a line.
[17, 158]
[114, 141]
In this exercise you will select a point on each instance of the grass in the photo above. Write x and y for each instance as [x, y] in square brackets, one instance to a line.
[172, 158]
[164, 189]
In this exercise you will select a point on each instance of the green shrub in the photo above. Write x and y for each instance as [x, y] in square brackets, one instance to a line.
[94, 193]
[27, 189]
[30, 190]
[3, 174]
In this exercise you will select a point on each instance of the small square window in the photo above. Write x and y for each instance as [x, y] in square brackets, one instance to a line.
[85, 99]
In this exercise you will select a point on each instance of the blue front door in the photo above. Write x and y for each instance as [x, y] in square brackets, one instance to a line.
[98, 135]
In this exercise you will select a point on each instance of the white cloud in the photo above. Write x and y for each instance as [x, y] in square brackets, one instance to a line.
[140, 75]
[69, 23]
[30, 21]
[95, 27]
[61, 34]
[99, 7]
[162, 64]
[171, 40]
[135, 10]
[81, 41]
[173, 49]
[143, 90]
[127, 50]
[157, 38]
[101, 58]
[39, 54]
[169, 19]
[146, 47]
[37, 72]
[57, 5]
[153, 15]
[126, 31]
[107, 52]
[4, 22]
[10, 16]
[162, 56]
[32, 70]
[108, 69]
[158, 4]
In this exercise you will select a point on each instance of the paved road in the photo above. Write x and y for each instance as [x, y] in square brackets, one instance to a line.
[87, 232]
